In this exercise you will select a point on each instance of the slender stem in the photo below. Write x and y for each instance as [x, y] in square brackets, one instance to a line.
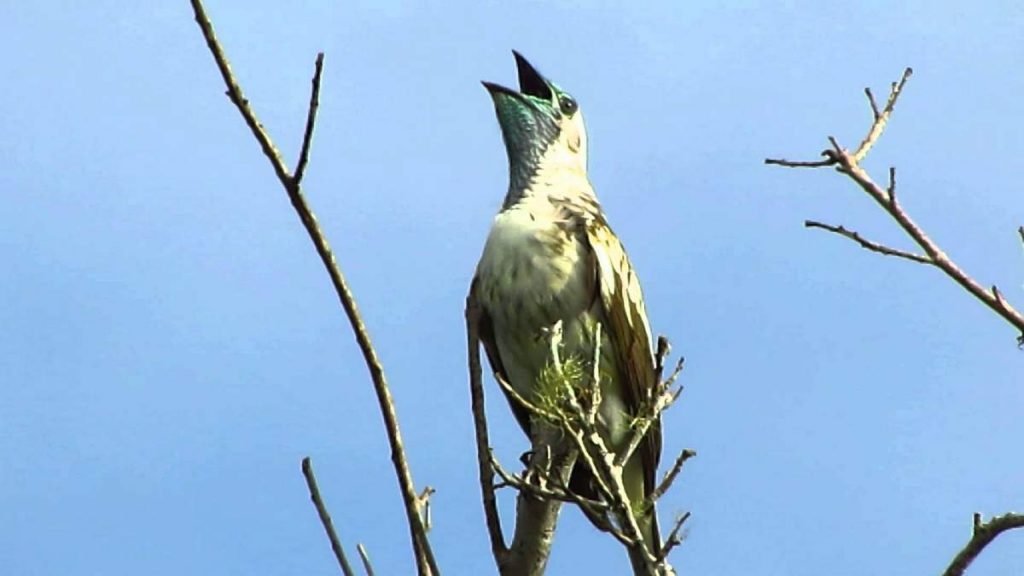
[426, 564]
[483, 444]
[848, 163]
[325, 517]
[982, 535]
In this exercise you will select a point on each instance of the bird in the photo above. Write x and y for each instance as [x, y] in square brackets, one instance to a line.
[551, 258]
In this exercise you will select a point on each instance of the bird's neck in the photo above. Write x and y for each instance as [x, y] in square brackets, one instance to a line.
[553, 183]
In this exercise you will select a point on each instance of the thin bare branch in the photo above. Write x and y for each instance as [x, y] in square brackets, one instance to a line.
[365, 557]
[881, 119]
[485, 469]
[325, 517]
[828, 161]
[876, 114]
[425, 562]
[670, 476]
[595, 377]
[675, 537]
[982, 534]
[849, 163]
[868, 244]
[423, 504]
[664, 347]
[314, 105]
[651, 410]
[937, 256]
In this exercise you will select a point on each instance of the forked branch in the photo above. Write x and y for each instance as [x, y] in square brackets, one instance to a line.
[292, 183]
[982, 534]
[849, 163]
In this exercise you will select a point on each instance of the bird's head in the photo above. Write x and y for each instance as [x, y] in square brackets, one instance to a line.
[541, 125]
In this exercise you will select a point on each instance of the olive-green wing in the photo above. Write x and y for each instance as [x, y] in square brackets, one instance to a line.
[629, 333]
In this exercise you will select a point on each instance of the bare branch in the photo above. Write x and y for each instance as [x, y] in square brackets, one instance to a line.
[828, 161]
[675, 536]
[663, 348]
[424, 554]
[849, 163]
[937, 256]
[982, 535]
[325, 517]
[423, 504]
[868, 244]
[650, 410]
[483, 443]
[880, 119]
[670, 476]
[874, 105]
[365, 557]
[314, 105]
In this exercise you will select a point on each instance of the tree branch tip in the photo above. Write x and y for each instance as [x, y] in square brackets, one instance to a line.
[874, 105]
[829, 161]
[365, 557]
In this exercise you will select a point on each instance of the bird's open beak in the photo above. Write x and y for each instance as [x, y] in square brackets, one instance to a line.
[531, 82]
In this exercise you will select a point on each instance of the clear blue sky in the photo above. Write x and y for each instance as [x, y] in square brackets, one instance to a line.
[171, 347]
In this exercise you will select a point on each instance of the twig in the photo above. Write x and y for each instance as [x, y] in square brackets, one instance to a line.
[425, 562]
[314, 105]
[849, 163]
[607, 466]
[881, 119]
[982, 535]
[828, 161]
[485, 469]
[423, 503]
[674, 538]
[325, 517]
[873, 246]
[650, 410]
[937, 256]
[670, 476]
[365, 557]
[663, 349]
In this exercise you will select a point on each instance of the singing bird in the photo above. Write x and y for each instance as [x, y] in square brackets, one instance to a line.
[551, 257]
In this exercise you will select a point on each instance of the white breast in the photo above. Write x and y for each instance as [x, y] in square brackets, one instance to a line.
[534, 269]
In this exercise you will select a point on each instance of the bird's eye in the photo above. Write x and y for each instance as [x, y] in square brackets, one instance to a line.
[567, 104]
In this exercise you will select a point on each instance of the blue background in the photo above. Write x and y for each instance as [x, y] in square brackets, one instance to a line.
[171, 346]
